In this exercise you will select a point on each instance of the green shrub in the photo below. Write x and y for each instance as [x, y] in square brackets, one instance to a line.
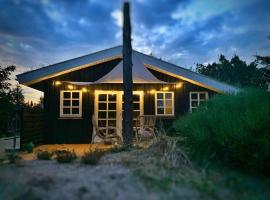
[234, 129]
[92, 157]
[65, 156]
[30, 147]
[44, 155]
[13, 157]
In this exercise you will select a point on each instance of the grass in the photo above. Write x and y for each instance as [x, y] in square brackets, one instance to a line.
[158, 173]
[232, 130]
[13, 157]
[92, 157]
[65, 156]
[44, 155]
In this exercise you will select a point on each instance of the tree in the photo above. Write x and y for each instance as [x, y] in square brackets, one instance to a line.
[9, 96]
[236, 72]
[16, 95]
[5, 73]
[127, 79]
[264, 61]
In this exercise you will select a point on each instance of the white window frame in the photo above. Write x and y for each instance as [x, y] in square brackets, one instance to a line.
[62, 115]
[164, 106]
[198, 98]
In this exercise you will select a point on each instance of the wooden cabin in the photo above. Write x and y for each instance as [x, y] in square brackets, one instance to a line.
[92, 85]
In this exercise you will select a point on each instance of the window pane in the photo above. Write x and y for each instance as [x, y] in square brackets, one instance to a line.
[160, 103]
[112, 123]
[75, 110]
[102, 114]
[112, 114]
[102, 123]
[102, 106]
[102, 97]
[136, 97]
[135, 123]
[112, 97]
[202, 96]
[112, 106]
[160, 111]
[66, 102]
[75, 95]
[66, 111]
[75, 102]
[66, 95]
[136, 106]
[168, 95]
[136, 114]
[194, 103]
[194, 96]
[168, 111]
[168, 103]
[159, 95]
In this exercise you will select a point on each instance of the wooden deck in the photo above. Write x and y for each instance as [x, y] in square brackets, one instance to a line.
[79, 149]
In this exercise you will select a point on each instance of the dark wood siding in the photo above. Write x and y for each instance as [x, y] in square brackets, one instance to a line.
[60, 130]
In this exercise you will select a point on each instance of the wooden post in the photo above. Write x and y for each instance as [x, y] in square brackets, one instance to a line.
[127, 122]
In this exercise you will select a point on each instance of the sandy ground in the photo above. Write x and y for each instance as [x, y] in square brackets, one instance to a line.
[110, 179]
[50, 180]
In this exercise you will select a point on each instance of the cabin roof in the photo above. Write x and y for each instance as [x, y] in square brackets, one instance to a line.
[37, 75]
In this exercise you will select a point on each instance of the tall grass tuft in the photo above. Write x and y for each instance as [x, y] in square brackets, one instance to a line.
[233, 129]
[65, 156]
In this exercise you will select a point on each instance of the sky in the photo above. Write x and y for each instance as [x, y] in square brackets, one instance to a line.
[36, 33]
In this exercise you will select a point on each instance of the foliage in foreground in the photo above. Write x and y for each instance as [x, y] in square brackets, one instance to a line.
[92, 157]
[13, 157]
[165, 167]
[44, 155]
[233, 129]
[65, 156]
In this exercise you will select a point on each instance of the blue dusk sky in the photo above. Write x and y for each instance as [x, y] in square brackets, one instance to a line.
[36, 33]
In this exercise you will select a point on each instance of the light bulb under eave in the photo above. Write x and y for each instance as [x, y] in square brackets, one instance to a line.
[57, 83]
[152, 91]
[84, 90]
[70, 87]
[165, 88]
[178, 85]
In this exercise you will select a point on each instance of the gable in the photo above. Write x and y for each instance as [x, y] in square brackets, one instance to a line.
[150, 62]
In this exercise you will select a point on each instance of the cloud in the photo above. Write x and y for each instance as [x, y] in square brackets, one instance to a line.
[118, 17]
[185, 32]
[203, 10]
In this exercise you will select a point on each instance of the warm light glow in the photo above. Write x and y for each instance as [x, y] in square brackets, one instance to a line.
[166, 88]
[152, 91]
[70, 87]
[57, 83]
[179, 85]
[84, 90]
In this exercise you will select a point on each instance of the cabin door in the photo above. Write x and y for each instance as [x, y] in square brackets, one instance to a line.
[108, 108]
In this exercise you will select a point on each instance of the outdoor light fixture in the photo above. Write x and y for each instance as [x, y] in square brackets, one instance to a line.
[152, 91]
[179, 85]
[70, 87]
[57, 83]
[84, 90]
[165, 88]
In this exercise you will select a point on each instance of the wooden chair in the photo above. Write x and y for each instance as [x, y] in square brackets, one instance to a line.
[145, 127]
[107, 134]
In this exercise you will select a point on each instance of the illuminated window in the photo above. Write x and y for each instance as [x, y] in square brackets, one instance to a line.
[164, 103]
[71, 103]
[196, 98]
